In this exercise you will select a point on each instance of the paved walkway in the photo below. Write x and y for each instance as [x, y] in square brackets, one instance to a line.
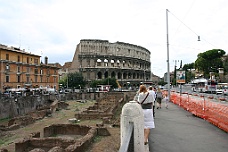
[177, 130]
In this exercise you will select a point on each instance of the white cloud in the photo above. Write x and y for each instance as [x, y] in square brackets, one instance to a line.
[55, 27]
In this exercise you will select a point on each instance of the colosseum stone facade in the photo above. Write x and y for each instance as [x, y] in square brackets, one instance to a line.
[98, 59]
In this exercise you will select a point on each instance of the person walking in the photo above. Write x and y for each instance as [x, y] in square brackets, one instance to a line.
[159, 98]
[145, 99]
[166, 99]
[152, 91]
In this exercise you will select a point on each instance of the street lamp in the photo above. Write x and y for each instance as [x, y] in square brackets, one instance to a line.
[168, 72]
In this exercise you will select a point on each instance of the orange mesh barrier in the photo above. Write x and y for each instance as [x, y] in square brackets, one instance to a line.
[214, 112]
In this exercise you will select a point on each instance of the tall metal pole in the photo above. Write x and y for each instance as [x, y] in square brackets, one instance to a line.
[168, 73]
[67, 81]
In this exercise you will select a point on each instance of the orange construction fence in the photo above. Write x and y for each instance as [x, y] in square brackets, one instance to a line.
[214, 112]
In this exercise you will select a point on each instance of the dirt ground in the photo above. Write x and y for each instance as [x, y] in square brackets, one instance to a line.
[100, 144]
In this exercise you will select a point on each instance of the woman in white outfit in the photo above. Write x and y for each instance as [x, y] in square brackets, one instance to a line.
[145, 99]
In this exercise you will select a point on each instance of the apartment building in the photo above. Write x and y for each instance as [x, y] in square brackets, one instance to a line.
[20, 69]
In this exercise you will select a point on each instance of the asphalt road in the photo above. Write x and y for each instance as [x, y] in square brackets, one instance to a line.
[177, 130]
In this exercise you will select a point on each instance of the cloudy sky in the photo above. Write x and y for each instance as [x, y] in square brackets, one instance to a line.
[53, 28]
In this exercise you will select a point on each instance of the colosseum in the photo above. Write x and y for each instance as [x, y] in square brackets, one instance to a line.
[99, 59]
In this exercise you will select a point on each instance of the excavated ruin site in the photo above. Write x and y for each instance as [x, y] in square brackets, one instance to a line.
[72, 125]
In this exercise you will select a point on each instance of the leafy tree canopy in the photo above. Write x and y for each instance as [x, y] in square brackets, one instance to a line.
[73, 80]
[107, 81]
[209, 61]
[189, 66]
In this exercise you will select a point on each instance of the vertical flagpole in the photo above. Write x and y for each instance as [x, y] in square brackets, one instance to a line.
[168, 73]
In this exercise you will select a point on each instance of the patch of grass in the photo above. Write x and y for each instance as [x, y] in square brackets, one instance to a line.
[6, 140]
[4, 120]
[97, 139]
[92, 122]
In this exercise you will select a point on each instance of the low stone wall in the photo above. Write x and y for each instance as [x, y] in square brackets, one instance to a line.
[62, 142]
[42, 143]
[65, 129]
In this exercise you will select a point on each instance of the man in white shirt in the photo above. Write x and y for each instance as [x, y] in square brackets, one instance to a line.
[152, 92]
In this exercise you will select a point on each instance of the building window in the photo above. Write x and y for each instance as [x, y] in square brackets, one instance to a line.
[41, 71]
[27, 69]
[7, 78]
[36, 71]
[124, 75]
[18, 58]
[18, 78]
[98, 62]
[123, 63]
[18, 69]
[105, 62]
[41, 79]
[27, 79]
[99, 75]
[118, 62]
[36, 61]
[47, 79]
[112, 63]
[88, 63]
[54, 79]
[7, 56]
[27, 59]
[35, 78]
[119, 75]
[7, 67]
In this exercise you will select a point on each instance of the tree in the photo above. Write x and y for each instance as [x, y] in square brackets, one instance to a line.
[162, 83]
[225, 64]
[107, 81]
[209, 61]
[76, 80]
[188, 71]
[73, 80]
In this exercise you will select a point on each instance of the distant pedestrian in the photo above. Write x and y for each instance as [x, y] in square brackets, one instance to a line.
[152, 91]
[145, 99]
[166, 99]
[159, 98]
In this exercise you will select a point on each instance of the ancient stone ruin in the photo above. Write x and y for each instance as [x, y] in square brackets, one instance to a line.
[67, 137]
[105, 107]
[62, 138]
